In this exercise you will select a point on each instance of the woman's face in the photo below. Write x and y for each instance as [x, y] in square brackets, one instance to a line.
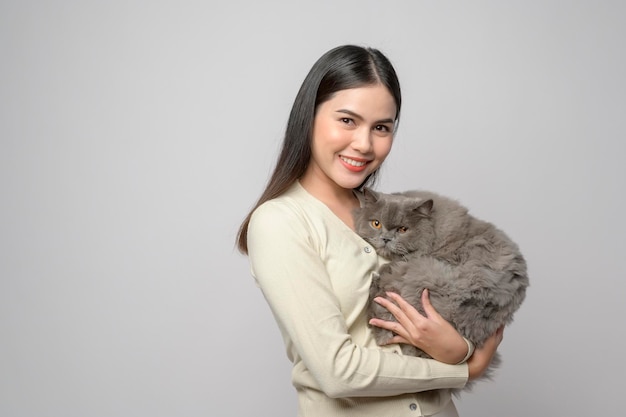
[352, 136]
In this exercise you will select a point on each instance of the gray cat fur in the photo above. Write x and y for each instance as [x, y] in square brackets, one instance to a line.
[476, 275]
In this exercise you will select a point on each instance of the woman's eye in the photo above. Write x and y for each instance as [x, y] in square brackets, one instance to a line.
[382, 128]
[346, 120]
[402, 229]
[375, 224]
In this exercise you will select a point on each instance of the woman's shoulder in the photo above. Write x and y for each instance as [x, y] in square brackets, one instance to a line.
[289, 206]
[287, 217]
[293, 203]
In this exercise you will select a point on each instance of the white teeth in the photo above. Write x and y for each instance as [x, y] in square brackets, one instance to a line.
[353, 162]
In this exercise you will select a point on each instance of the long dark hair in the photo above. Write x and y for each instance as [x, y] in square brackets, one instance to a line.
[341, 68]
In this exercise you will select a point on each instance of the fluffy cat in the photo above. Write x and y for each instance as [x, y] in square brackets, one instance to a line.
[476, 275]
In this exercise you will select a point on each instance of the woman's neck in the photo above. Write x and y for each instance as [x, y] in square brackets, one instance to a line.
[341, 201]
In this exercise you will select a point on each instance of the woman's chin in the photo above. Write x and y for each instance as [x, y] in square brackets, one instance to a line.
[352, 181]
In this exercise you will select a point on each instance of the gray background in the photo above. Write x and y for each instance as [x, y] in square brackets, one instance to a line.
[135, 135]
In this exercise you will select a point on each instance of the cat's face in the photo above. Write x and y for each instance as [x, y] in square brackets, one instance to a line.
[393, 224]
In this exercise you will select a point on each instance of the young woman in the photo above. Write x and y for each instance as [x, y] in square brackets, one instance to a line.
[315, 271]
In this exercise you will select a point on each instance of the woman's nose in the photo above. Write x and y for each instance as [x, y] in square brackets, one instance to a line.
[362, 141]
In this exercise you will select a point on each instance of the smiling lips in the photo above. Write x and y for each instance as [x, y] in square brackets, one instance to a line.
[354, 165]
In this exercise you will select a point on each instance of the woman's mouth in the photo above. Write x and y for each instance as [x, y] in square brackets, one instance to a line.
[355, 165]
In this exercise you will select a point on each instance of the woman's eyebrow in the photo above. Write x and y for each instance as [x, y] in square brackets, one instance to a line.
[358, 116]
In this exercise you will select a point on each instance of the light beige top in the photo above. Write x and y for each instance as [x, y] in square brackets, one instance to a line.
[315, 273]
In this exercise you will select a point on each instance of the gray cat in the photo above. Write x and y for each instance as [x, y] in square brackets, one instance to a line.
[476, 275]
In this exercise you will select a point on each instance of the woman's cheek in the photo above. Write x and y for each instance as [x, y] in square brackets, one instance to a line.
[384, 147]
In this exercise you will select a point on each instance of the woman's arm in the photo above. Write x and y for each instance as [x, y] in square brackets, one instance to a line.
[289, 270]
[482, 356]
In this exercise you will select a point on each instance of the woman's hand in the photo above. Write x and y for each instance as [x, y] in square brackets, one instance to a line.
[430, 333]
[482, 356]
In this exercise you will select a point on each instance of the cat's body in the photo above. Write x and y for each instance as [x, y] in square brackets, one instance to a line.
[475, 274]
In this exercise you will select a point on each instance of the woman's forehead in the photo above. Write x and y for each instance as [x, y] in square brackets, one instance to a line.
[368, 101]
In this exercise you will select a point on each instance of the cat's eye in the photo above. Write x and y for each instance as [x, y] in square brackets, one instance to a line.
[402, 229]
[375, 224]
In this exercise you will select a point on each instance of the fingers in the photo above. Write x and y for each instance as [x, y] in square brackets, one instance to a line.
[396, 297]
[389, 305]
[410, 310]
[500, 334]
[495, 339]
[404, 312]
[397, 339]
[428, 307]
[396, 328]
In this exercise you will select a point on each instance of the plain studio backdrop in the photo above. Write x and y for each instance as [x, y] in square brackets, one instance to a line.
[136, 135]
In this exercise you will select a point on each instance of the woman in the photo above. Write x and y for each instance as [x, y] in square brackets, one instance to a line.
[315, 271]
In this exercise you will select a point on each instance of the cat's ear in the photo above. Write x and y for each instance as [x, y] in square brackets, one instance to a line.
[367, 196]
[425, 208]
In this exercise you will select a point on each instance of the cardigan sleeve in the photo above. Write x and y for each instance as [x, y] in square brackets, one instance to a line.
[293, 278]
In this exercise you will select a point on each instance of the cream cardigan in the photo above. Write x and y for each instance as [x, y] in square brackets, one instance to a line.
[315, 273]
